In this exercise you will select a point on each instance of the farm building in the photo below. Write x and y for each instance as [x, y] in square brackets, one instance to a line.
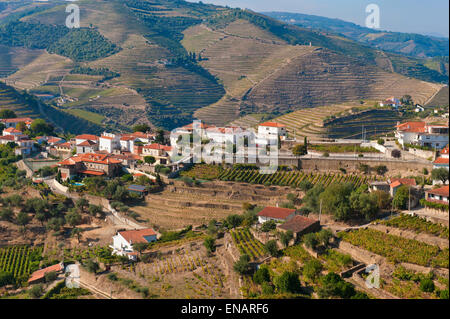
[39, 275]
[276, 214]
[300, 225]
[379, 186]
[137, 189]
[124, 240]
[438, 195]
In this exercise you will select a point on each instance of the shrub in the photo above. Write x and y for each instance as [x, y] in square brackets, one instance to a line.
[242, 266]
[50, 276]
[261, 275]
[427, 285]
[36, 291]
[267, 288]
[288, 282]
[271, 248]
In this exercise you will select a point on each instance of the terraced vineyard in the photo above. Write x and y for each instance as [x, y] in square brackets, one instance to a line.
[247, 244]
[397, 249]
[19, 260]
[10, 99]
[290, 178]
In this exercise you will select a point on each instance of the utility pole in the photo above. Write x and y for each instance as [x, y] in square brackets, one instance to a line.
[320, 210]
[409, 200]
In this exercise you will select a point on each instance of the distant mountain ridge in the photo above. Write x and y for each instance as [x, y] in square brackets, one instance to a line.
[411, 44]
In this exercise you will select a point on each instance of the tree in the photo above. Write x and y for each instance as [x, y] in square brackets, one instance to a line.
[210, 244]
[312, 269]
[92, 266]
[73, 218]
[268, 226]
[36, 291]
[305, 185]
[383, 199]
[401, 197]
[95, 210]
[310, 240]
[150, 160]
[324, 236]
[311, 199]
[40, 127]
[364, 204]
[76, 232]
[286, 237]
[23, 219]
[440, 174]
[140, 247]
[332, 285]
[299, 150]
[6, 278]
[261, 275]
[271, 248]
[50, 276]
[212, 228]
[144, 128]
[234, 221]
[82, 204]
[242, 266]
[159, 138]
[288, 282]
[380, 141]
[335, 200]
[7, 114]
[381, 169]
[427, 285]
[396, 153]
[6, 214]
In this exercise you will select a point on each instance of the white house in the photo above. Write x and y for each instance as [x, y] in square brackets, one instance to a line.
[127, 143]
[419, 108]
[161, 153]
[14, 121]
[87, 146]
[423, 134]
[270, 131]
[109, 142]
[84, 137]
[123, 241]
[231, 134]
[11, 131]
[276, 214]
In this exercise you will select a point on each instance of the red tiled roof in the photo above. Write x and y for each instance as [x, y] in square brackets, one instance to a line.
[12, 130]
[107, 137]
[156, 146]
[88, 172]
[91, 158]
[127, 138]
[39, 274]
[276, 212]
[272, 124]
[66, 144]
[441, 160]
[405, 181]
[395, 184]
[417, 127]
[87, 143]
[202, 126]
[87, 137]
[17, 120]
[298, 223]
[7, 137]
[137, 236]
[442, 191]
[54, 140]
[445, 150]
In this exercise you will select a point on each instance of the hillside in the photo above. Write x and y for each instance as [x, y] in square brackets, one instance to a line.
[416, 45]
[173, 61]
[25, 105]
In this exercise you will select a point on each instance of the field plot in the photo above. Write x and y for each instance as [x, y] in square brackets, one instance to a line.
[182, 272]
[397, 249]
[180, 205]
[247, 244]
[291, 178]
[418, 225]
[9, 99]
[19, 260]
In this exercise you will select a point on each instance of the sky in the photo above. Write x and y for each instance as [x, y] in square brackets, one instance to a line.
[429, 17]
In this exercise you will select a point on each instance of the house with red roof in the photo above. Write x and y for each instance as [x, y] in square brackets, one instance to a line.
[87, 146]
[123, 241]
[14, 121]
[161, 153]
[422, 134]
[276, 214]
[39, 275]
[395, 183]
[438, 195]
[300, 225]
[12, 131]
[90, 164]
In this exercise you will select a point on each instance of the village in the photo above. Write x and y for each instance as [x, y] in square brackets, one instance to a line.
[143, 220]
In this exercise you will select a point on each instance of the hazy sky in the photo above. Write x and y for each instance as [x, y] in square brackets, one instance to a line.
[414, 16]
